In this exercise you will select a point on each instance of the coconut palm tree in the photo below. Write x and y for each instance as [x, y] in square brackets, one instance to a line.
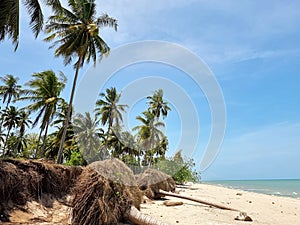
[10, 90]
[10, 17]
[157, 105]
[88, 134]
[10, 120]
[149, 134]
[44, 93]
[109, 110]
[77, 32]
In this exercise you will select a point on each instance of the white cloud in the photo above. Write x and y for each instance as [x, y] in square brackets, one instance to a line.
[220, 31]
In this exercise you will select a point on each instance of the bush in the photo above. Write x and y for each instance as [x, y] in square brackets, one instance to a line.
[181, 170]
[76, 159]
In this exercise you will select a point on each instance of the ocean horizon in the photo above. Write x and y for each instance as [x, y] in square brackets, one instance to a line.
[277, 187]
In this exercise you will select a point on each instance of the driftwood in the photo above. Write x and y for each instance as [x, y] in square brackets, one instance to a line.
[171, 203]
[198, 200]
[139, 218]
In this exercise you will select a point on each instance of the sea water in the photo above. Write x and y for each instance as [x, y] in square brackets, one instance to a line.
[286, 187]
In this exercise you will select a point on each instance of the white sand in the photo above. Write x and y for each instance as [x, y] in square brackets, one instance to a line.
[263, 209]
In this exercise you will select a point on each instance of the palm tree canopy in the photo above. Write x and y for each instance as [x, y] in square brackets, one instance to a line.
[77, 31]
[10, 117]
[149, 130]
[24, 121]
[10, 88]
[108, 108]
[88, 134]
[157, 105]
[86, 127]
[44, 92]
[10, 16]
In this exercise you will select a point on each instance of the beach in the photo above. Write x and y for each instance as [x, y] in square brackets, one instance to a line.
[262, 208]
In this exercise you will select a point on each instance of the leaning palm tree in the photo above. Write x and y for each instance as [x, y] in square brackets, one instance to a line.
[44, 93]
[157, 105]
[109, 110]
[77, 32]
[10, 17]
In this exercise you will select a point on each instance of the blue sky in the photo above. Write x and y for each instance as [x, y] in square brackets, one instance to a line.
[253, 49]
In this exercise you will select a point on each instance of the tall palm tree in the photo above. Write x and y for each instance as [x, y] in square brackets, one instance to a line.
[157, 105]
[77, 34]
[44, 93]
[88, 134]
[109, 110]
[10, 89]
[10, 16]
[10, 120]
[149, 134]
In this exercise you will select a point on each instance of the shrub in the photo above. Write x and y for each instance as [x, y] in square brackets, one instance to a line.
[181, 170]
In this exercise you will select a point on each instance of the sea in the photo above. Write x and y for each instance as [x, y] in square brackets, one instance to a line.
[286, 187]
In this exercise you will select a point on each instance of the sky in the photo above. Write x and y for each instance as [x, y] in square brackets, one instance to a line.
[252, 49]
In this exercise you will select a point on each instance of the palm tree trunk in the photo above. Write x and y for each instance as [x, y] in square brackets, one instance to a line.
[38, 144]
[139, 218]
[198, 200]
[107, 135]
[60, 151]
[18, 146]
[7, 135]
[44, 141]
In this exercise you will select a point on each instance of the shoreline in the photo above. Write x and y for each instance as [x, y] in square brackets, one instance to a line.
[262, 208]
[249, 191]
[247, 185]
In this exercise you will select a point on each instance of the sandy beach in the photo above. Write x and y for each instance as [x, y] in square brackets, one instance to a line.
[263, 209]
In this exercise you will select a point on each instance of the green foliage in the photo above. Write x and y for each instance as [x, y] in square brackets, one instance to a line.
[181, 170]
[76, 159]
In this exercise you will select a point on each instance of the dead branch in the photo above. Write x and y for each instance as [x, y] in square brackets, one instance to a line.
[219, 206]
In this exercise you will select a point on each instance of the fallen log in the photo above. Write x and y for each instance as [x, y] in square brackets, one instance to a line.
[219, 206]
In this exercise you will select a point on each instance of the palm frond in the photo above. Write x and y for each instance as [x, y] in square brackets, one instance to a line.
[107, 21]
[36, 15]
